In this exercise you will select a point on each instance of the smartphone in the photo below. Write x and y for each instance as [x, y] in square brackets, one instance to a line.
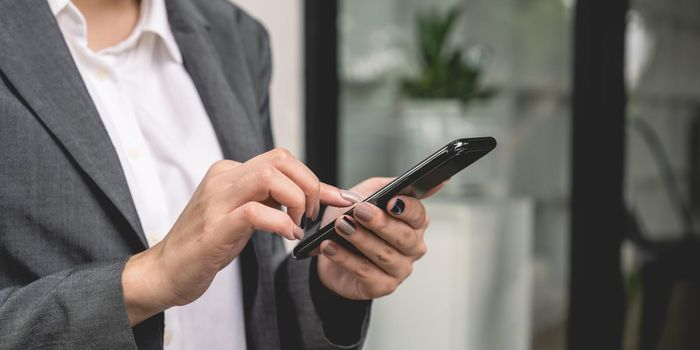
[423, 177]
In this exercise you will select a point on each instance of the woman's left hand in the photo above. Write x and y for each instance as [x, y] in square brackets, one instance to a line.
[392, 241]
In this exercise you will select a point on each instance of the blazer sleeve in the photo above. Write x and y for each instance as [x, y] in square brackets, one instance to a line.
[310, 315]
[313, 317]
[79, 308]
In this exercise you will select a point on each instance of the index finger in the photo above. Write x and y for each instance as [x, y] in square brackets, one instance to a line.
[296, 171]
[330, 195]
[314, 190]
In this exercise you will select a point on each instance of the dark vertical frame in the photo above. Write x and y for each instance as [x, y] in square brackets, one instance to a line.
[321, 87]
[597, 302]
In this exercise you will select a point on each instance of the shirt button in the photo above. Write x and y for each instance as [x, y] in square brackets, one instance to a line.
[154, 236]
[101, 75]
[133, 153]
[167, 337]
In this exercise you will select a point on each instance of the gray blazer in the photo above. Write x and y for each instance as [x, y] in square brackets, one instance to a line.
[67, 220]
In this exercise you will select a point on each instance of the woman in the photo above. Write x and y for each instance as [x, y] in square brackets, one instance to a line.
[137, 167]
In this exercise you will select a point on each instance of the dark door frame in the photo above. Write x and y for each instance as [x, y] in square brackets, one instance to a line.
[598, 220]
[321, 87]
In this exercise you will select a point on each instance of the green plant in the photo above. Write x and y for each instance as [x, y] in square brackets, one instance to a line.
[444, 71]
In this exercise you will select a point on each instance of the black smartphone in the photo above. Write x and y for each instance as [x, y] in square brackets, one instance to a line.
[432, 171]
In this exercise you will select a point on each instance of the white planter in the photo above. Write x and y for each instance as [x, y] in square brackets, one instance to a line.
[473, 290]
[425, 125]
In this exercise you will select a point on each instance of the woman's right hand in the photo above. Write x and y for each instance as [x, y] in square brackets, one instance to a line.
[231, 202]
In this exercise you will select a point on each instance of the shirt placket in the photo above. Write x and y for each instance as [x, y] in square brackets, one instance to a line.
[150, 190]
[140, 170]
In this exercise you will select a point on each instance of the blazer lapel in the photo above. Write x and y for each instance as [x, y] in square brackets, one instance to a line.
[232, 109]
[36, 62]
[229, 108]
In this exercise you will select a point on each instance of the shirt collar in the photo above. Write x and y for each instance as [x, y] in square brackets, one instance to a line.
[153, 19]
[57, 6]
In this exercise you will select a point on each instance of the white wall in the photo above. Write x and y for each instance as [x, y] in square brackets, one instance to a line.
[283, 20]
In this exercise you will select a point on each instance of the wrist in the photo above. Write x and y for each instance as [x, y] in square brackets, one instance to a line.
[143, 297]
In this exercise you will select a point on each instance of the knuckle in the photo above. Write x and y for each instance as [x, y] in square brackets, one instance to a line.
[408, 270]
[342, 258]
[392, 287]
[421, 250]
[283, 154]
[363, 270]
[405, 239]
[379, 222]
[298, 203]
[386, 255]
[297, 200]
[217, 166]
[249, 211]
[316, 186]
[266, 175]
[221, 166]
[300, 196]
[387, 287]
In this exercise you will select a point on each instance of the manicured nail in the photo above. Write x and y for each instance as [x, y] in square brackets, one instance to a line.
[350, 196]
[398, 207]
[329, 250]
[364, 211]
[298, 232]
[346, 227]
[302, 223]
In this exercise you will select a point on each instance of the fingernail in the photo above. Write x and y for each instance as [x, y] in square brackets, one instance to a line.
[298, 232]
[329, 250]
[302, 223]
[364, 212]
[350, 196]
[346, 227]
[398, 207]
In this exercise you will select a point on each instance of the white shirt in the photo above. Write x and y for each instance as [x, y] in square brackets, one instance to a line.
[165, 143]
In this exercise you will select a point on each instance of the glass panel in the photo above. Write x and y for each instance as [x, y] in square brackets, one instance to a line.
[495, 276]
[662, 179]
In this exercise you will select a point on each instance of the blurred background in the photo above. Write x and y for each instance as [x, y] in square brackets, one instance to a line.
[578, 231]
